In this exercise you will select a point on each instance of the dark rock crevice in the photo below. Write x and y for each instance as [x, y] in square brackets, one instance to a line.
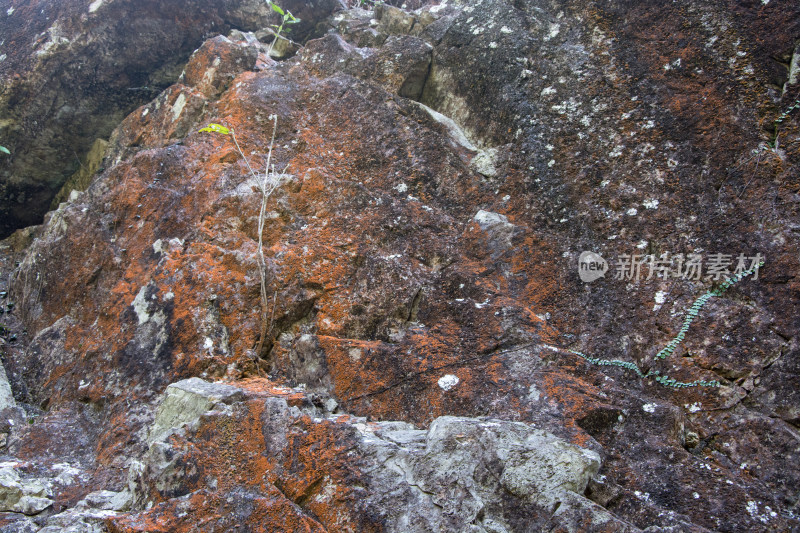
[88, 68]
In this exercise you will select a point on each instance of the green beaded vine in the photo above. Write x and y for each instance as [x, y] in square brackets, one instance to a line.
[783, 116]
[667, 350]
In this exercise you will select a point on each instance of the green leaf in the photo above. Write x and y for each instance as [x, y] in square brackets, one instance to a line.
[277, 8]
[216, 128]
[4, 150]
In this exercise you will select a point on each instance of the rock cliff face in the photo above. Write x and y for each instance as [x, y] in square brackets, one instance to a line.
[71, 71]
[428, 358]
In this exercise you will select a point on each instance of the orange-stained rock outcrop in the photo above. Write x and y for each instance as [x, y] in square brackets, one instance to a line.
[439, 174]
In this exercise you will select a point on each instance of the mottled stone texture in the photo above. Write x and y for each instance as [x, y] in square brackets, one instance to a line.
[70, 71]
[440, 171]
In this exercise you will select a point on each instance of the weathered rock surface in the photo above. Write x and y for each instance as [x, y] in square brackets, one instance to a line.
[462, 474]
[439, 173]
[71, 71]
[28, 497]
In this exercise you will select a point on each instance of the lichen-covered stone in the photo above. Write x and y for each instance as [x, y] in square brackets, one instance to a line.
[461, 474]
[185, 401]
[420, 263]
[26, 496]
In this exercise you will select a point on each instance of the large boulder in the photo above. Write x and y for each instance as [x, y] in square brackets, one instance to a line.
[264, 456]
[438, 174]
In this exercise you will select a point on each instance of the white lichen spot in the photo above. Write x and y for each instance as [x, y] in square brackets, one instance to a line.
[642, 244]
[649, 407]
[145, 112]
[617, 151]
[696, 406]
[158, 246]
[533, 393]
[448, 381]
[94, 6]
[597, 106]
[752, 509]
[140, 306]
[505, 29]
[652, 203]
[695, 496]
[548, 90]
[552, 31]
[355, 354]
[632, 212]
[660, 298]
[567, 107]
[208, 344]
[401, 187]
[492, 44]
[551, 163]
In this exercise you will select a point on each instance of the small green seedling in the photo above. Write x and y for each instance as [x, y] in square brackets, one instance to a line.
[286, 18]
[216, 128]
[5, 150]
[268, 182]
